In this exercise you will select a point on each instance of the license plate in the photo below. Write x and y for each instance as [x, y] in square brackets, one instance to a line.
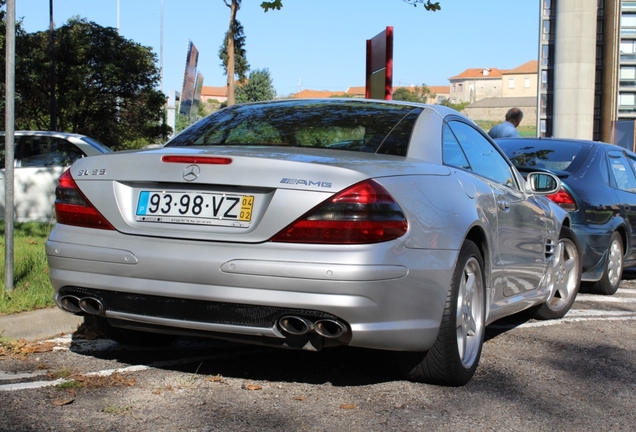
[200, 208]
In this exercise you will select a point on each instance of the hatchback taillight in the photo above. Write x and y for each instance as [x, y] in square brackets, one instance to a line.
[564, 200]
[73, 208]
[363, 213]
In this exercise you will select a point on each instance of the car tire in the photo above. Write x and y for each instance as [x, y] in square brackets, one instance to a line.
[565, 278]
[613, 270]
[453, 358]
[127, 336]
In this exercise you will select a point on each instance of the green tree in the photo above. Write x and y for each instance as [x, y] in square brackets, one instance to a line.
[414, 94]
[105, 85]
[258, 87]
[456, 106]
[232, 52]
[427, 4]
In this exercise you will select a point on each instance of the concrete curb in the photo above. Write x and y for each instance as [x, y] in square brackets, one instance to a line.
[39, 324]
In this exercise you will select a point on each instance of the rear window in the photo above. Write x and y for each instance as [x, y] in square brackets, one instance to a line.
[547, 154]
[336, 125]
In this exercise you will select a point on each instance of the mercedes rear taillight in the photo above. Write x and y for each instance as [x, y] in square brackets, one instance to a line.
[363, 213]
[73, 208]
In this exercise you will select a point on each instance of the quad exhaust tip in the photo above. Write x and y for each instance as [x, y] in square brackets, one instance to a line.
[88, 305]
[298, 326]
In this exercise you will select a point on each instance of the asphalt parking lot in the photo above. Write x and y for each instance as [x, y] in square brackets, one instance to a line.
[574, 374]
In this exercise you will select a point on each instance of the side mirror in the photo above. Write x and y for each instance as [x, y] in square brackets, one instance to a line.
[541, 183]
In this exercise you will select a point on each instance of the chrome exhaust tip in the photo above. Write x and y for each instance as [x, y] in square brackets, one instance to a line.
[330, 328]
[70, 304]
[91, 306]
[295, 325]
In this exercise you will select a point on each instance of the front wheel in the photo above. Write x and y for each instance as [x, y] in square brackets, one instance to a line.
[565, 278]
[453, 358]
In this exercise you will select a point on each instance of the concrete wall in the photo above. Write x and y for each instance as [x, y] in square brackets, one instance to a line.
[574, 69]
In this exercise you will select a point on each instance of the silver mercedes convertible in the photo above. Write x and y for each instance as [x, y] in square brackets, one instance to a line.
[316, 223]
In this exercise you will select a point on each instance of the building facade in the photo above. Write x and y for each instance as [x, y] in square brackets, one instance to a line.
[475, 84]
[587, 70]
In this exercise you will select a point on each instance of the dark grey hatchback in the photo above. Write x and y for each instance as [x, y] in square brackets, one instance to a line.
[599, 192]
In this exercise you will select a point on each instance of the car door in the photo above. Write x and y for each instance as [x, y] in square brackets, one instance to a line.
[622, 170]
[39, 162]
[521, 221]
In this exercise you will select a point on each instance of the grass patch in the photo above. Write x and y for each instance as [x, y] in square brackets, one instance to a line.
[32, 288]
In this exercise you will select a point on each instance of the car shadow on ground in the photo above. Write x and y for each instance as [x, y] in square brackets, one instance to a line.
[338, 366]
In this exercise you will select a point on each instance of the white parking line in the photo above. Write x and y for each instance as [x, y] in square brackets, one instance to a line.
[8, 376]
[604, 299]
[630, 291]
[31, 385]
[596, 313]
[564, 320]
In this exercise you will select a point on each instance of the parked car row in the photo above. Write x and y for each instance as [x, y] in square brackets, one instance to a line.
[39, 160]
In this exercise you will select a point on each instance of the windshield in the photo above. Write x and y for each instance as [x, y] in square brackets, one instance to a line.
[331, 124]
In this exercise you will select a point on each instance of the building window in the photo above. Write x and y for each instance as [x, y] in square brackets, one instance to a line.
[526, 82]
[542, 127]
[545, 29]
[511, 82]
[628, 73]
[545, 54]
[544, 80]
[460, 87]
[627, 99]
[628, 24]
[547, 6]
[627, 47]
[543, 109]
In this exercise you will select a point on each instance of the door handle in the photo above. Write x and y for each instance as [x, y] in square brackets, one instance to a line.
[503, 205]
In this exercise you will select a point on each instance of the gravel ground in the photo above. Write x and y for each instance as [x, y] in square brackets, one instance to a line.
[570, 375]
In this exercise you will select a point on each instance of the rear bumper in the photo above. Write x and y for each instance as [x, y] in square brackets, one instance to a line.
[388, 297]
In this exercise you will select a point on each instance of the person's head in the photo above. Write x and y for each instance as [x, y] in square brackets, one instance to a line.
[514, 116]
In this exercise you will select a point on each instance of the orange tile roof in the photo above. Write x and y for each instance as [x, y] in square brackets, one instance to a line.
[214, 91]
[361, 90]
[310, 94]
[529, 67]
[440, 89]
[478, 73]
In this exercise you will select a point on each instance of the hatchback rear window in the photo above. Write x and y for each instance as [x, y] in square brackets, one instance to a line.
[335, 125]
[548, 154]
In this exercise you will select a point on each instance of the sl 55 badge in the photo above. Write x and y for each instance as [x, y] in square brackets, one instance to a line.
[91, 172]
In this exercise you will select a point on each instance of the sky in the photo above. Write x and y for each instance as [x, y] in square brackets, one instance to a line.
[314, 44]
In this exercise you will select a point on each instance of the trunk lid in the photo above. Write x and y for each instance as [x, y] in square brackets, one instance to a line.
[246, 194]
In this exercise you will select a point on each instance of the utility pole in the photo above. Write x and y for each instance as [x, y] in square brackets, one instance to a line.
[9, 138]
[53, 104]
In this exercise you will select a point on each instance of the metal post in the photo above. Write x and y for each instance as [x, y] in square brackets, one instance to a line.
[9, 139]
[161, 49]
[53, 105]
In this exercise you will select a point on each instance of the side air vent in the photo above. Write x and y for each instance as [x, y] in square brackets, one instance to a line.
[549, 249]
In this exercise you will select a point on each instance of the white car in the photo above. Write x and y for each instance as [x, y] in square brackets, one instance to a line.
[40, 159]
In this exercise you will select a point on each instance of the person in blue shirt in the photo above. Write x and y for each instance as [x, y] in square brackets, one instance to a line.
[508, 128]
